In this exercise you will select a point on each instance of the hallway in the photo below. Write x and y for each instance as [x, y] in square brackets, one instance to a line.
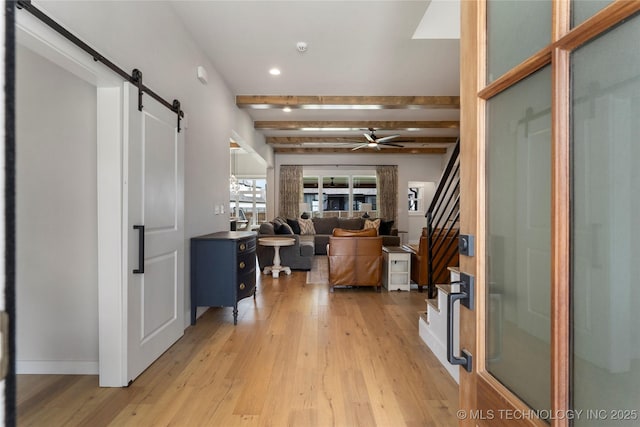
[299, 356]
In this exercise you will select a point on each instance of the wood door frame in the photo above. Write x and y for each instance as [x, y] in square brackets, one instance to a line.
[479, 390]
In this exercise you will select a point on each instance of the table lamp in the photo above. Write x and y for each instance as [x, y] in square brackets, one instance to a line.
[304, 208]
[366, 207]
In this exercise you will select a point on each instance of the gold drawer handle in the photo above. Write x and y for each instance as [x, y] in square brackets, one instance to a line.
[242, 264]
[242, 286]
[243, 246]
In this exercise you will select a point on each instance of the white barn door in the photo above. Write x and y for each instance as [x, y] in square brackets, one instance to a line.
[154, 199]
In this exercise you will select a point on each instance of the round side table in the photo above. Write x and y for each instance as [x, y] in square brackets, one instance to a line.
[276, 243]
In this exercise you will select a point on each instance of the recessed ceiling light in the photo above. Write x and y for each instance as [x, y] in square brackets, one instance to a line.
[286, 109]
[274, 72]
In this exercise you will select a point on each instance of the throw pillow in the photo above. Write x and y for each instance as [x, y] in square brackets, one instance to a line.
[372, 224]
[267, 228]
[279, 220]
[385, 227]
[283, 229]
[295, 226]
[306, 226]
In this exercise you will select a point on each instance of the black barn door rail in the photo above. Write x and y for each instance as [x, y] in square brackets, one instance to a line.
[134, 78]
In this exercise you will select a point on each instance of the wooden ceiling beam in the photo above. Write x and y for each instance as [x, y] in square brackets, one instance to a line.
[357, 125]
[348, 102]
[406, 150]
[289, 140]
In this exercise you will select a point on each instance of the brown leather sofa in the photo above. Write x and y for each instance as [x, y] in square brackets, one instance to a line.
[420, 257]
[355, 258]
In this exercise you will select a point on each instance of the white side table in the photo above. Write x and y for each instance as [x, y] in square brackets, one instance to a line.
[276, 243]
[396, 270]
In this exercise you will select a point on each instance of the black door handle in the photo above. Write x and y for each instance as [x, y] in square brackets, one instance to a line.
[140, 269]
[466, 298]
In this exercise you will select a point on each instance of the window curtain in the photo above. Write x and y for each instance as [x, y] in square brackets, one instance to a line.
[290, 191]
[387, 177]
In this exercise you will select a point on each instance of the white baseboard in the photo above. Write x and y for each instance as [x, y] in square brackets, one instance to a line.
[438, 349]
[57, 367]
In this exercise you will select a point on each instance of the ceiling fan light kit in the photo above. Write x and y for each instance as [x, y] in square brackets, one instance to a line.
[374, 142]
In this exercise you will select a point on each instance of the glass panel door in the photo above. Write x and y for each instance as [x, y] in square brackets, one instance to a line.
[515, 31]
[605, 228]
[519, 238]
[581, 10]
[556, 212]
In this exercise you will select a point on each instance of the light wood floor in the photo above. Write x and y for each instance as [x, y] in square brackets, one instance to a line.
[299, 356]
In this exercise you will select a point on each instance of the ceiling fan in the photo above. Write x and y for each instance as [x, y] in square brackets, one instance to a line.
[376, 142]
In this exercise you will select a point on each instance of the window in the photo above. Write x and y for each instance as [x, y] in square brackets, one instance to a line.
[310, 195]
[248, 202]
[340, 195]
[364, 191]
[335, 195]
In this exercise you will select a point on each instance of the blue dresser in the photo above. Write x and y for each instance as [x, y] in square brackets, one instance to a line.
[223, 270]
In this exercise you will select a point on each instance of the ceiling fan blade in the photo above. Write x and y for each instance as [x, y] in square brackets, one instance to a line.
[378, 147]
[369, 138]
[387, 138]
[359, 147]
[349, 141]
[391, 144]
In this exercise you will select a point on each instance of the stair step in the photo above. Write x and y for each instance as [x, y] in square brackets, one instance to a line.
[423, 316]
[454, 269]
[434, 304]
[446, 288]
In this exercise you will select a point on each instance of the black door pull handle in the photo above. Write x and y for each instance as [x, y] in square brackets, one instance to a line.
[466, 298]
[140, 269]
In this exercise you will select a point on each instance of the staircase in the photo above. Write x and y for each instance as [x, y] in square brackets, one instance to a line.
[433, 324]
[443, 224]
[443, 229]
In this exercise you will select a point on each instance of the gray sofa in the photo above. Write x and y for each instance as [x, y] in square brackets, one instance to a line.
[300, 255]
[297, 257]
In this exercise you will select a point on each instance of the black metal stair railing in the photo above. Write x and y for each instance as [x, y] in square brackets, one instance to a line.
[443, 225]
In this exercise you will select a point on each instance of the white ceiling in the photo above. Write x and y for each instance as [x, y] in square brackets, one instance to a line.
[355, 48]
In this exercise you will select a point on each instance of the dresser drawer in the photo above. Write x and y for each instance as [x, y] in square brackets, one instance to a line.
[246, 246]
[246, 284]
[246, 262]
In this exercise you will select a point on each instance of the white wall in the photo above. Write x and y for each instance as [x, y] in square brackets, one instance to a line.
[243, 127]
[423, 167]
[151, 38]
[57, 273]
[417, 220]
[248, 165]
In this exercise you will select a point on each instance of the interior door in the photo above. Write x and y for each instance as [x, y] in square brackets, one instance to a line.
[550, 192]
[155, 235]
